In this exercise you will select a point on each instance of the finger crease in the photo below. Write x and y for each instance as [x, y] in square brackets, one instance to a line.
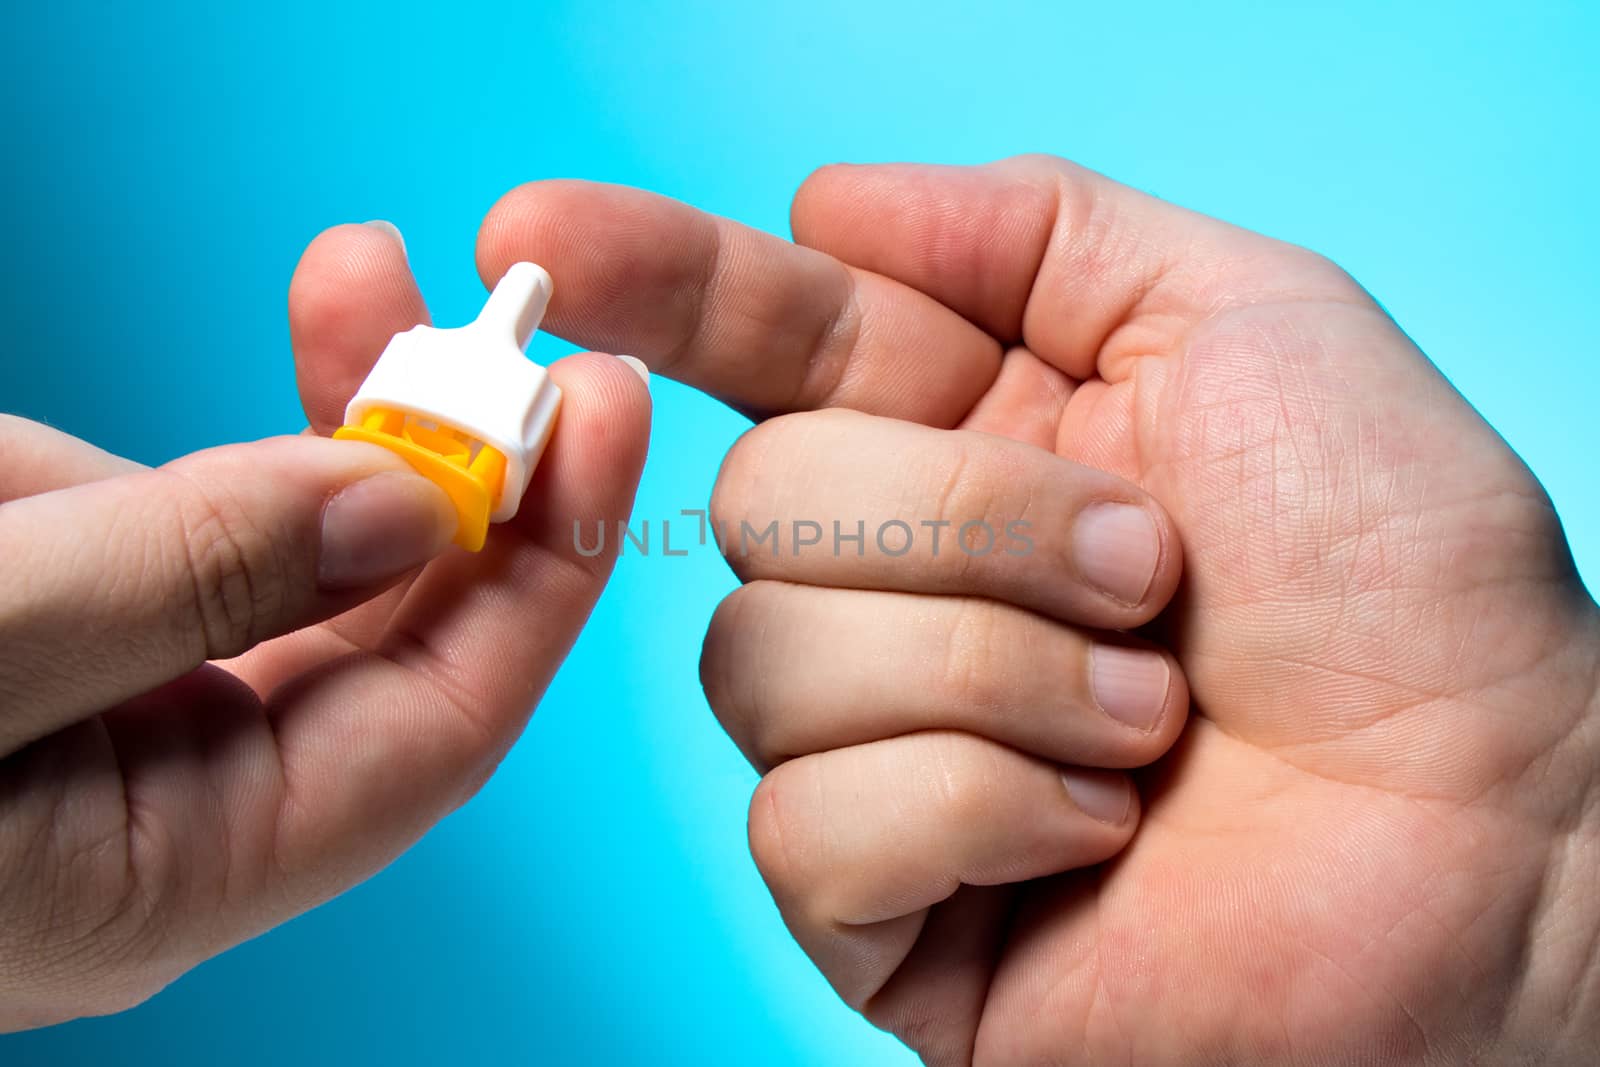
[840, 333]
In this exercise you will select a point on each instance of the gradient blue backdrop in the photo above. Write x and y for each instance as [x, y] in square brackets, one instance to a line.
[595, 904]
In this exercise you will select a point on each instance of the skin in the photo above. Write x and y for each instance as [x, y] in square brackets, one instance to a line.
[1376, 840]
[1374, 843]
[156, 809]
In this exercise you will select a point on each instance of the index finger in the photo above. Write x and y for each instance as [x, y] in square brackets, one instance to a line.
[765, 325]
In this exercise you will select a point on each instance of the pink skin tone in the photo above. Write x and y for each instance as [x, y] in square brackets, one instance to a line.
[155, 811]
[1364, 680]
[1375, 840]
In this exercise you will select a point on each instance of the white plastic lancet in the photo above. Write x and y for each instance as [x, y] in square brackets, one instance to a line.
[444, 395]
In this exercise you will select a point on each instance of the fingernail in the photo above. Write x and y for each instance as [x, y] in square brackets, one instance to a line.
[381, 527]
[385, 226]
[1129, 684]
[1117, 548]
[1104, 795]
[638, 368]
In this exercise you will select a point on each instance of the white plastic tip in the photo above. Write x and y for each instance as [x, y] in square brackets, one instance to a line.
[517, 305]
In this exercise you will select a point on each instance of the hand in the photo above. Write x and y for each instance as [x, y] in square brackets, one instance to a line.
[1377, 841]
[156, 809]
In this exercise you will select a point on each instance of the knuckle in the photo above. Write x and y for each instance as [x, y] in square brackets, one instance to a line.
[1044, 172]
[970, 489]
[234, 574]
[319, 313]
[1044, 161]
[75, 903]
[970, 675]
[1323, 269]
[966, 781]
[951, 492]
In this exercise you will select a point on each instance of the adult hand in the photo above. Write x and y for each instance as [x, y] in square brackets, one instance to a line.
[1377, 841]
[155, 808]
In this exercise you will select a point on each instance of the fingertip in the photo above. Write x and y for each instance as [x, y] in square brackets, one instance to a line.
[638, 367]
[821, 188]
[390, 230]
[1107, 797]
[369, 254]
[489, 253]
[591, 468]
[525, 224]
[600, 384]
[352, 290]
[1168, 571]
[605, 247]
[1128, 553]
[380, 527]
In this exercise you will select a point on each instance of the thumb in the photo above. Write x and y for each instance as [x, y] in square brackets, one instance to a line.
[112, 588]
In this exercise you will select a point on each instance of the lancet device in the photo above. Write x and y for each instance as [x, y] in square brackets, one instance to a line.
[466, 407]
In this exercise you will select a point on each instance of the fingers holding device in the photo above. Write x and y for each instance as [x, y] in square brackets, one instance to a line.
[463, 406]
[260, 672]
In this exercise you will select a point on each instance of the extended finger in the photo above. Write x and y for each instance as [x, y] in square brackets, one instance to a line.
[746, 316]
[382, 741]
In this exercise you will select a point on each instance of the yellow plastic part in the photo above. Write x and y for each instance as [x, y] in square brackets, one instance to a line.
[470, 472]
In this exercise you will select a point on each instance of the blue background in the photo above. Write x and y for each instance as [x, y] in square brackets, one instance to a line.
[596, 904]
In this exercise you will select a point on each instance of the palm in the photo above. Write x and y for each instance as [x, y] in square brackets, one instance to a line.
[1335, 831]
